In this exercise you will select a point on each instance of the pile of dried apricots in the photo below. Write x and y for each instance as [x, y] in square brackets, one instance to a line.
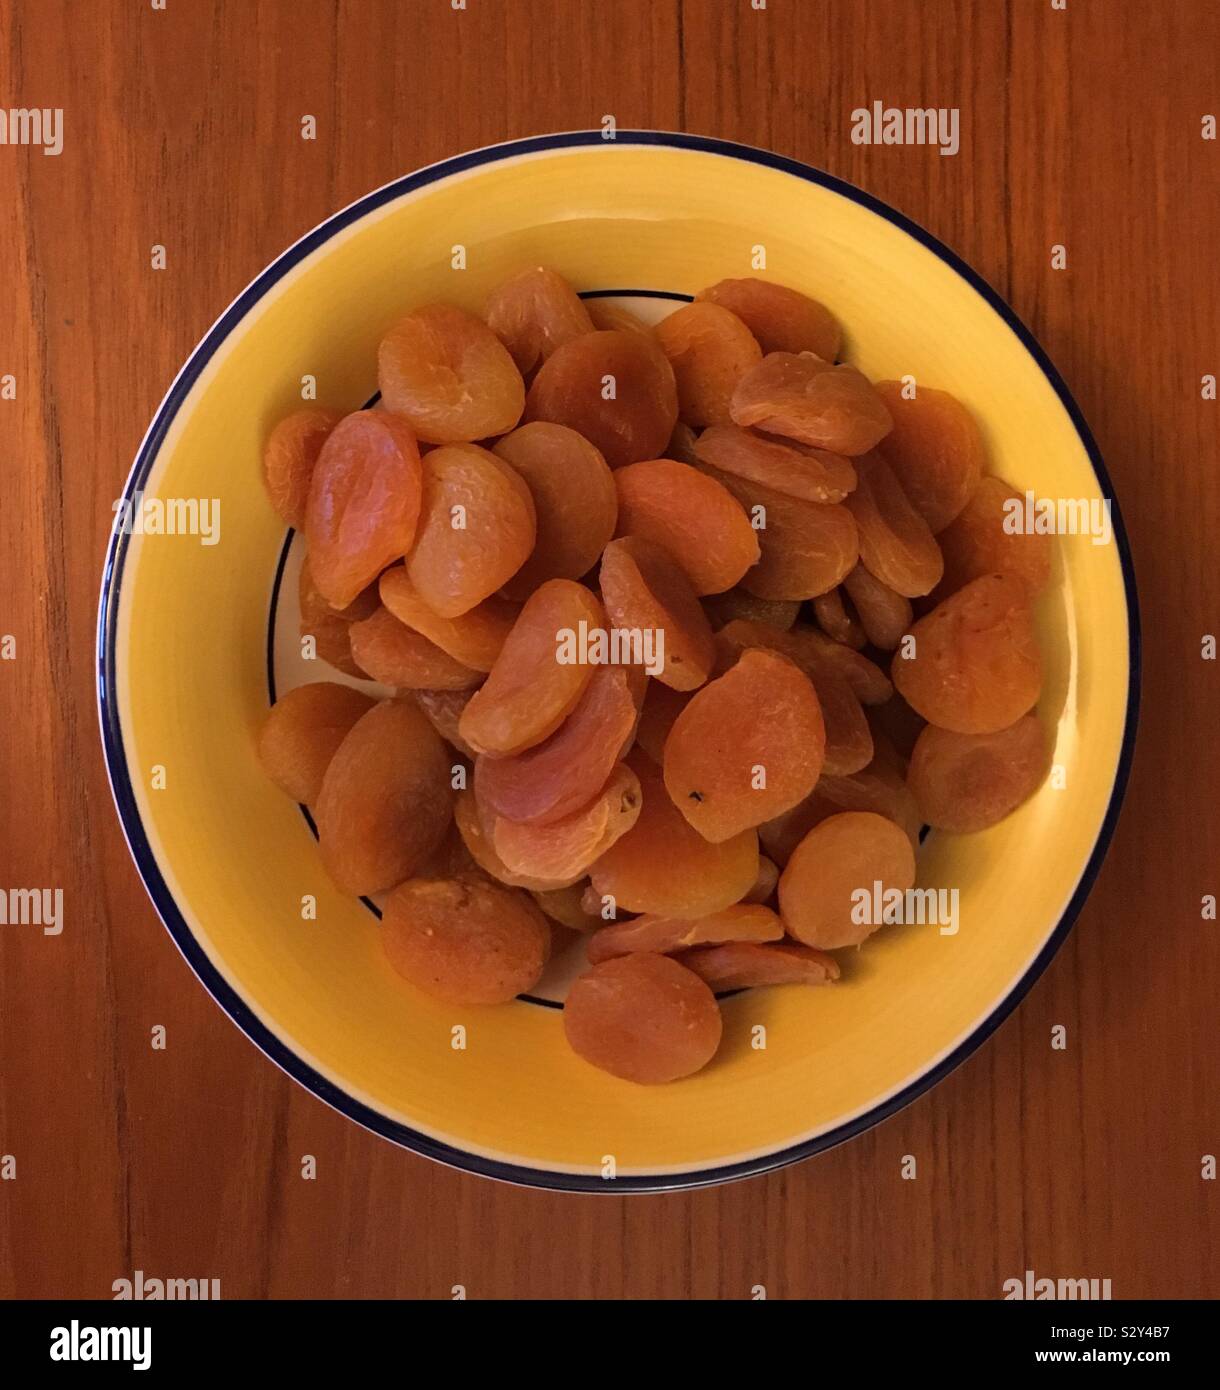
[775, 521]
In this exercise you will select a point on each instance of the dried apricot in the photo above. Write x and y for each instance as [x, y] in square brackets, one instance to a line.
[443, 710]
[476, 528]
[782, 319]
[615, 388]
[662, 705]
[566, 906]
[745, 964]
[775, 612]
[530, 691]
[836, 621]
[895, 541]
[388, 651]
[610, 317]
[880, 787]
[935, 449]
[575, 503]
[690, 515]
[386, 799]
[710, 349]
[664, 865]
[827, 890]
[884, 614]
[973, 665]
[803, 397]
[469, 821]
[797, 470]
[450, 376]
[980, 542]
[302, 731]
[664, 935]
[764, 884]
[314, 608]
[331, 638]
[465, 940]
[965, 782]
[565, 772]
[748, 746]
[642, 1018]
[364, 501]
[474, 638]
[289, 458]
[533, 313]
[681, 444]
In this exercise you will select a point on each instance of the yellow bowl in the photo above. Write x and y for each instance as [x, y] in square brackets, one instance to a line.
[184, 674]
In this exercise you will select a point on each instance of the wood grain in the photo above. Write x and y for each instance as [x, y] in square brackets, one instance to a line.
[1080, 127]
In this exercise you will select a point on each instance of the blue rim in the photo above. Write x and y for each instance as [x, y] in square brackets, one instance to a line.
[124, 797]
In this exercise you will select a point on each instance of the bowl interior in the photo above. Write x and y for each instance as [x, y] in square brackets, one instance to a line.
[232, 861]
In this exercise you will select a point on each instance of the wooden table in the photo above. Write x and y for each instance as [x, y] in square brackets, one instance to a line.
[1080, 127]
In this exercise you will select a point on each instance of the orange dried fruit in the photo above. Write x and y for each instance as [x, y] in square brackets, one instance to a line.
[764, 884]
[747, 747]
[476, 528]
[390, 652]
[642, 1018]
[647, 592]
[973, 666]
[935, 449]
[662, 705]
[880, 787]
[978, 542]
[533, 313]
[386, 799]
[781, 319]
[575, 504]
[710, 349]
[289, 458]
[664, 865]
[448, 374]
[746, 964]
[827, 890]
[302, 731]
[465, 940]
[530, 691]
[610, 317]
[965, 782]
[895, 542]
[690, 515]
[775, 612]
[314, 608]
[469, 821]
[474, 638]
[803, 397]
[681, 444]
[615, 388]
[566, 906]
[665, 935]
[884, 614]
[796, 470]
[364, 500]
[836, 621]
[443, 710]
[331, 638]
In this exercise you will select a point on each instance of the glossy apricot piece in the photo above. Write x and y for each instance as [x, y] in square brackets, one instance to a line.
[314, 607]
[665, 935]
[302, 731]
[747, 747]
[449, 375]
[564, 848]
[965, 782]
[642, 1018]
[390, 652]
[469, 821]
[465, 940]
[841, 858]
[883, 613]
[533, 313]
[806, 547]
[443, 710]
[529, 691]
[935, 449]
[781, 319]
[566, 906]
[764, 884]
[710, 349]
[977, 542]
[747, 964]
[558, 776]
[616, 388]
[699, 522]
[645, 590]
[736, 603]
[975, 666]
[386, 799]
[575, 503]
[664, 865]
[607, 316]
[364, 500]
[895, 541]
[797, 470]
[476, 528]
[880, 787]
[836, 621]
[662, 705]
[474, 638]
[805, 398]
[289, 458]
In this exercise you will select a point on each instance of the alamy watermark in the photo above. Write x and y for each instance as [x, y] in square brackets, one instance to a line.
[1059, 516]
[907, 125]
[616, 646]
[33, 907]
[138, 515]
[35, 126]
[925, 907]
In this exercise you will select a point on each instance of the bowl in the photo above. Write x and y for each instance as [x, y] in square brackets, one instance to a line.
[190, 653]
